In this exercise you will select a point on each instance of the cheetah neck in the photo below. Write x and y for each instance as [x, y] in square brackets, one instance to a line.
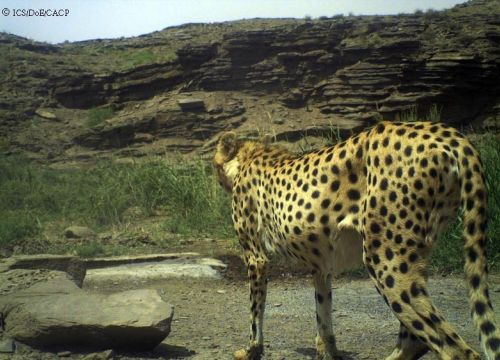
[231, 169]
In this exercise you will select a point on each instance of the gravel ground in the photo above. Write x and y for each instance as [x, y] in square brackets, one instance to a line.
[212, 318]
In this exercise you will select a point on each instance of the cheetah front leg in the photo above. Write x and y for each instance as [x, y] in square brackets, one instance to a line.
[258, 291]
[325, 340]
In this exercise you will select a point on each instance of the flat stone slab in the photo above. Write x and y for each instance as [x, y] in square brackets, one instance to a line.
[191, 104]
[157, 270]
[131, 259]
[71, 265]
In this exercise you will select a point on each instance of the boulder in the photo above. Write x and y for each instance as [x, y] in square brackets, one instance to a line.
[42, 304]
[56, 312]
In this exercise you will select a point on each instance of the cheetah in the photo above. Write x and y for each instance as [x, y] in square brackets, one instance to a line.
[396, 186]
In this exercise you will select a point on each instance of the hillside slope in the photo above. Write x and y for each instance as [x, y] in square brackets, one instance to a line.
[290, 77]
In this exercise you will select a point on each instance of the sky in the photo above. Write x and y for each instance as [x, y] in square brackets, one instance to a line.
[74, 20]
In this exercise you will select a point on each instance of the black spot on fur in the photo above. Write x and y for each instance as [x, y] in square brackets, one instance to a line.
[396, 307]
[380, 128]
[375, 228]
[312, 237]
[479, 308]
[487, 327]
[494, 343]
[417, 325]
[384, 184]
[389, 281]
[353, 194]
[472, 255]
[319, 297]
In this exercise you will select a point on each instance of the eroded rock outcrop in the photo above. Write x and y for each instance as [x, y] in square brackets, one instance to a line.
[330, 72]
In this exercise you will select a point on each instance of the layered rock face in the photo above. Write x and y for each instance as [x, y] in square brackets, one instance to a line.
[352, 68]
[294, 77]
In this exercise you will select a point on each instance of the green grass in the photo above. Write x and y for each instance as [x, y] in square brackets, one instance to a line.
[448, 255]
[97, 116]
[34, 197]
[186, 193]
[90, 249]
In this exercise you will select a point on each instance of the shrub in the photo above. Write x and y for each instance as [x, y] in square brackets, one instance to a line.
[97, 115]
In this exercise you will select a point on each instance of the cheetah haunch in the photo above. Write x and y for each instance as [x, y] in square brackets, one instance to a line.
[396, 185]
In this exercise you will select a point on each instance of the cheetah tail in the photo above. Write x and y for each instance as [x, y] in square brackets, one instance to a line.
[473, 197]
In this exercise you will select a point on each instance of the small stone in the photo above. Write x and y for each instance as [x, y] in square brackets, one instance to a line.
[144, 138]
[216, 110]
[103, 355]
[78, 232]
[221, 291]
[277, 304]
[45, 114]
[64, 353]
[278, 121]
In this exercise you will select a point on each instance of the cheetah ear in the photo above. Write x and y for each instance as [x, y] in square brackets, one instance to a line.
[267, 139]
[227, 143]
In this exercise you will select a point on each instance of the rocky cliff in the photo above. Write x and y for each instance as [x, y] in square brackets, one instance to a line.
[178, 88]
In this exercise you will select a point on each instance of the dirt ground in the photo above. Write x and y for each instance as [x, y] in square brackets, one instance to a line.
[211, 318]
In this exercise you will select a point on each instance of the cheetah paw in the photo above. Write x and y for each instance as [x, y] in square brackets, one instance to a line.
[325, 356]
[254, 352]
[327, 351]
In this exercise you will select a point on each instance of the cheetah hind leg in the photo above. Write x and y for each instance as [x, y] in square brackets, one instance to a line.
[326, 348]
[253, 352]
[408, 347]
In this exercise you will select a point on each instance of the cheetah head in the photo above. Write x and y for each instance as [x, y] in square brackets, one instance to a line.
[231, 153]
[226, 162]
